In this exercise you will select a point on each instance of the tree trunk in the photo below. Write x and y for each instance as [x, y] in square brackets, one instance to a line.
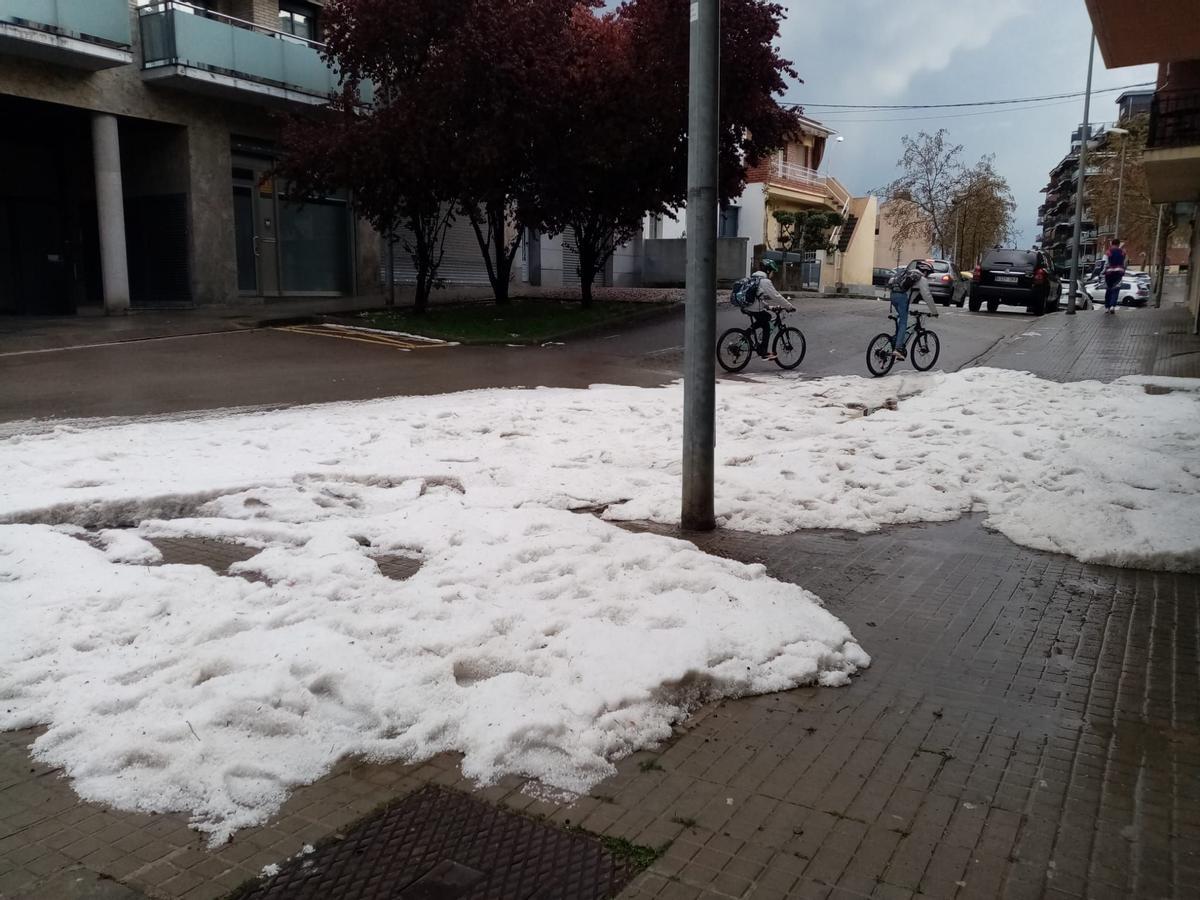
[498, 254]
[424, 288]
[587, 265]
[504, 259]
[585, 288]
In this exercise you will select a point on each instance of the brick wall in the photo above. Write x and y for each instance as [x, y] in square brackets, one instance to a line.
[260, 12]
[759, 174]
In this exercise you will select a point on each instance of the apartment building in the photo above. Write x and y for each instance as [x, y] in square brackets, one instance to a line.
[1167, 33]
[791, 180]
[1056, 214]
[136, 156]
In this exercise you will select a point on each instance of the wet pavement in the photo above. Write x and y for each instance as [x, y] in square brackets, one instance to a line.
[269, 367]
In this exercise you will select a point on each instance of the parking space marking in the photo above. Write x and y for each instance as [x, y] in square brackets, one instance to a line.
[366, 336]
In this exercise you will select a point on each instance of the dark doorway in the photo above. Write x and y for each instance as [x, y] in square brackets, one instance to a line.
[48, 242]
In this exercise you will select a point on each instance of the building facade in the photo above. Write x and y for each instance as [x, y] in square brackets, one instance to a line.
[890, 251]
[135, 171]
[1167, 33]
[1056, 214]
[791, 181]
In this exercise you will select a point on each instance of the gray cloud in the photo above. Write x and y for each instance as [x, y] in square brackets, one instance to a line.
[939, 51]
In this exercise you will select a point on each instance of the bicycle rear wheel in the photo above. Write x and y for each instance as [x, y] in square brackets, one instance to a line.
[789, 348]
[879, 355]
[926, 346]
[734, 349]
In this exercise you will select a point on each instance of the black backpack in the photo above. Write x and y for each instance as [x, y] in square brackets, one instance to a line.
[745, 292]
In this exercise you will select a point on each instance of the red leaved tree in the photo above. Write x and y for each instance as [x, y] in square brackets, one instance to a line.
[622, 121]
[496, 84]
[392, 153]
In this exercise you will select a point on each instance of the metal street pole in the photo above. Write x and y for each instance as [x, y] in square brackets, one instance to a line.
[700, 315]
[1083, 146]
[1120, 189]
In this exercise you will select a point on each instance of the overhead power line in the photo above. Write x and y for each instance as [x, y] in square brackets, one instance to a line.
[879, 107]
[1002, 110]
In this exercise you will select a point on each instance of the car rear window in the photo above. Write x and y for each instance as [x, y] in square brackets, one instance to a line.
[1011, 259]
[939, 266]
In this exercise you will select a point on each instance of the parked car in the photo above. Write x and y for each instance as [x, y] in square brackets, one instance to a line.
[1134, 292]
[1015, 278]
[946, 284]
[881, 277]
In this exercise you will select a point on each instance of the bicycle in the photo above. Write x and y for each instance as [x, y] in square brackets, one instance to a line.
[924, 350]
[736, 346]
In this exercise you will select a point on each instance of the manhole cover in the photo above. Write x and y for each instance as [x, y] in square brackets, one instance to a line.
[441, 845]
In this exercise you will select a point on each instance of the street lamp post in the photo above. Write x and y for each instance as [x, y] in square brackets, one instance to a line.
[1083, 146]
[700, 313]
[1120, 177]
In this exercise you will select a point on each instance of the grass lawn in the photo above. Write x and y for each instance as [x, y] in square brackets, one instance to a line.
[529, 321]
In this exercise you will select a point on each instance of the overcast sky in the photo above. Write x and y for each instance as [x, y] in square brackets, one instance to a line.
[948, 51]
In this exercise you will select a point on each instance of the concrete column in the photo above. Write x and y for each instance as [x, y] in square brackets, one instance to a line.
[110, 208]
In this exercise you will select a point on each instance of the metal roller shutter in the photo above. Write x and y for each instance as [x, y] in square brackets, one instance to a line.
[570, 255]
[462, 262]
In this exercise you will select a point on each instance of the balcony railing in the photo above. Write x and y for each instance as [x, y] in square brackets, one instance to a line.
[1174, 119]
[178, 36]
[798, 174]
[102, 21]
[89, 34]
[808, 179]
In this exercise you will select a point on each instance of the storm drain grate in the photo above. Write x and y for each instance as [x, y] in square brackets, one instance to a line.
[441, 845]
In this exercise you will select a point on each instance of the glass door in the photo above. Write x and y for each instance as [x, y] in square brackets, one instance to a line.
[255, 222]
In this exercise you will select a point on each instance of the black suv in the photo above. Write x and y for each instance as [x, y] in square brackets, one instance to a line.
[1015, 278]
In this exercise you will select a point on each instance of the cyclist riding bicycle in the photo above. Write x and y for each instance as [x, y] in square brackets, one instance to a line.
[766, 297]
[913, 280]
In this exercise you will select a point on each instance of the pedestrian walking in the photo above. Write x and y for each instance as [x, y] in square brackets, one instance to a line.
[1114, 273]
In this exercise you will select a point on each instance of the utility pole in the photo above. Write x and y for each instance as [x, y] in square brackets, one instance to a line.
[700, 315]
[1083, 147]
[1120, 189]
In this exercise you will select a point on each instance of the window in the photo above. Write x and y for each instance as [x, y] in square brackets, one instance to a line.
[728, 226]
[191, 7]
[298, 19]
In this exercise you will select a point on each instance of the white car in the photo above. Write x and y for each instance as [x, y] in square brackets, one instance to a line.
[1134, 291]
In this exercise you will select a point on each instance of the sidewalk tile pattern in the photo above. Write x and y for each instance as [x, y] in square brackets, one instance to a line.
[1091, 344]
[1030, 727]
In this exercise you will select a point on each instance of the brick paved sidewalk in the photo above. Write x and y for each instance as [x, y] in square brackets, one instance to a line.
[1030, 727]
[1092, 345]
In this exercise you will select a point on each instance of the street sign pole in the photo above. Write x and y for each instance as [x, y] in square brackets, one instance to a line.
[1083, 147]
[700, 316]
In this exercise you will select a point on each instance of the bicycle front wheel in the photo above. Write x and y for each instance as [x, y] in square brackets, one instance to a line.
[925, 349]
[789, 348]
[734, 349]
[879, 355]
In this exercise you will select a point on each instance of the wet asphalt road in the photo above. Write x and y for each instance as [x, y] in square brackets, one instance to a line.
[268, 367]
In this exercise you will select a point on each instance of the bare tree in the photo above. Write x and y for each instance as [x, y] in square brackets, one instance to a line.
[981, 212]
[1139, 217]
[939, 200]
[932, 174]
